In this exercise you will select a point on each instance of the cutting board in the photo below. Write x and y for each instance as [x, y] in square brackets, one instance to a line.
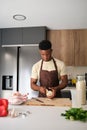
[49, 102]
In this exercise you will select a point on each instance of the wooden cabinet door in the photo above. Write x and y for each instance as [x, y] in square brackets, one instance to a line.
[63, 45]
[80, 39]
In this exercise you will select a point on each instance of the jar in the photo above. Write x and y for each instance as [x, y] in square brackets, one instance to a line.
[81, 89]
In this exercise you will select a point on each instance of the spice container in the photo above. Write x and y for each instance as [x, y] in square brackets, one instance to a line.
[81, 89]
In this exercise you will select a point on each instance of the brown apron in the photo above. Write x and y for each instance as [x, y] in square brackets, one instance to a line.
[49, 79]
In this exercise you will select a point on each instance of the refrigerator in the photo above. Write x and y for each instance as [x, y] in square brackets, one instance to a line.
[16, 65]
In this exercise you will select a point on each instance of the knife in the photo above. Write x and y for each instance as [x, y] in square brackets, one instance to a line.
[38, 100]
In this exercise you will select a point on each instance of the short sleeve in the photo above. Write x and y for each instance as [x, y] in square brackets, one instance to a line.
[61, 67]
[36, 70]
[34, 73]
[63, 70]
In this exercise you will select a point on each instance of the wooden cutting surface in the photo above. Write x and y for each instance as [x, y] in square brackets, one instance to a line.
[49, 102]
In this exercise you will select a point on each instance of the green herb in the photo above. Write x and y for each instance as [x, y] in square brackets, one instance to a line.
[75, 114]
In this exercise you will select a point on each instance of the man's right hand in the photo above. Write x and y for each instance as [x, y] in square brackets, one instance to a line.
[42, 90]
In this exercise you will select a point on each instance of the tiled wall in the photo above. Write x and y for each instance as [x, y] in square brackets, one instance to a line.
[74, 71]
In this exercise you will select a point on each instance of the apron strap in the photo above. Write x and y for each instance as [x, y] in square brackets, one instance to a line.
[55, 65]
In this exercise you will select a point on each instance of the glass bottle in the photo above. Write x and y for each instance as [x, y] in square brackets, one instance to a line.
[81, 89]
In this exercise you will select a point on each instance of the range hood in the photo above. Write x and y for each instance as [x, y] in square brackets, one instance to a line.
[26, 36]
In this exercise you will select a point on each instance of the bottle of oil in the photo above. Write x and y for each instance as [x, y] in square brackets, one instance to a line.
[81, 89]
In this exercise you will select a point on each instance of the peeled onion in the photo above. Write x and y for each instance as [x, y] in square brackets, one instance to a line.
[49, 93]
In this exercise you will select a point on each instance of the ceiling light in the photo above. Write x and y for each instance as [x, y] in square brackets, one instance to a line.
[19, 17]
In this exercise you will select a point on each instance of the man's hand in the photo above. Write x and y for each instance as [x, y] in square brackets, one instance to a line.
[51, 93]
[42, 90]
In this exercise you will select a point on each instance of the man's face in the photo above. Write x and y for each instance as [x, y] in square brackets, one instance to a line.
[46, 54]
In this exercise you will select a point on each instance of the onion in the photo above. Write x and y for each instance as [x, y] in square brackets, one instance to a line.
[49, 93]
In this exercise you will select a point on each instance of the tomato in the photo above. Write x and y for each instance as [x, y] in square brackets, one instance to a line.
[4, 102]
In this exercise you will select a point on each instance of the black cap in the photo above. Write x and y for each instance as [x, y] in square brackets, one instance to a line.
[45, 45]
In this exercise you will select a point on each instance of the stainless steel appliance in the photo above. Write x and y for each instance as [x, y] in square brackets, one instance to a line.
[8, 66]
[19, 64]
[28, 56]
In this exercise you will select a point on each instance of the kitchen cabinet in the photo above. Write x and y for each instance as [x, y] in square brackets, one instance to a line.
[23, 36]
[63, 45]
[33, 35]
[80, 42]
[69, 46]
[11, 36]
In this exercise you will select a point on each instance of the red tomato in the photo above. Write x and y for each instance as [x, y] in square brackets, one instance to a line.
[4, 102]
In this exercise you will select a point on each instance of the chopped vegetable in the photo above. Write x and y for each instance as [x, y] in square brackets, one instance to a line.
[75, 114]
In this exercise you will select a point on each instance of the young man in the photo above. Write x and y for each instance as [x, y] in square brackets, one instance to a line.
[49, 71]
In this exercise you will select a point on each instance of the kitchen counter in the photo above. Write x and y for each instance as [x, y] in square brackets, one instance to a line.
[40, 118]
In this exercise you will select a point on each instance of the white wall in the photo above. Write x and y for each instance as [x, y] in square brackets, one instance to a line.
[74, 71]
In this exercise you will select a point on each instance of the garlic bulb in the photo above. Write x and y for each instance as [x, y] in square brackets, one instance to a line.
[13, 113]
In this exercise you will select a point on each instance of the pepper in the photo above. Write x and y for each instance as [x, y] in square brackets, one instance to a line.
[3, 107]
